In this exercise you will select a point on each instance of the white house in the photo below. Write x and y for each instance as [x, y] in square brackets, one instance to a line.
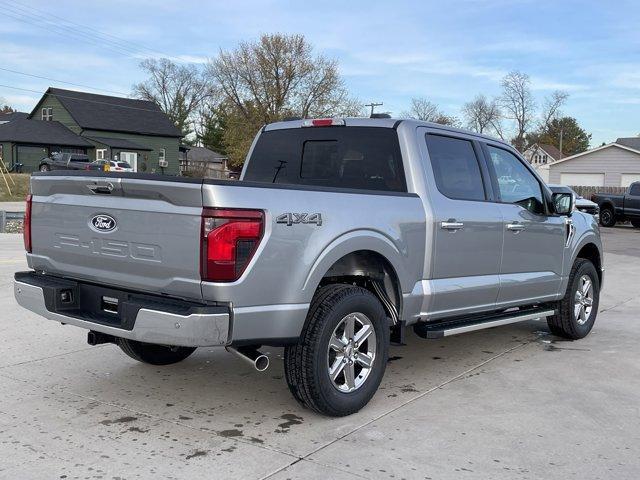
[540, 156]
[611, 165]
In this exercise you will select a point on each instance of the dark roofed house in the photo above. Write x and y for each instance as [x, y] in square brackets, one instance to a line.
[102, 126]
[631, 142]
[202, 161]
[11, 116]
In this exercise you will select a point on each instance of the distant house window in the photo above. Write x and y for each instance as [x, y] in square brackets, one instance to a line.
[47, 114]
[101, 153]
[162, 157]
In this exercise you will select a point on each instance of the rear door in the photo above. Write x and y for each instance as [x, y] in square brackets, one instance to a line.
[533, 252]
[125, 232]
[468, 227]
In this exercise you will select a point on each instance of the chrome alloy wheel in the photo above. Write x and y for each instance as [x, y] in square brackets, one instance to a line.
[583, 300]
[351, 352]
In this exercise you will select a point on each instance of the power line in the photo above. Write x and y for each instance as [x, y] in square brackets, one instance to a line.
[62, 81]
[125, 43]
[83, 99]
[26, 15]
[63, 31]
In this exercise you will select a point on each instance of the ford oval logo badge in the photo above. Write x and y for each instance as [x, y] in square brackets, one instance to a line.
[103, 223]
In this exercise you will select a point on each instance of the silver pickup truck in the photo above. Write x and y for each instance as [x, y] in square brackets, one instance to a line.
[339, 234]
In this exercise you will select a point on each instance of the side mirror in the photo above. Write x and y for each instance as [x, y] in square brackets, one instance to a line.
[564, 203]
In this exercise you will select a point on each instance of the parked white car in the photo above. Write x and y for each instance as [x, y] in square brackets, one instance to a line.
[120, 166]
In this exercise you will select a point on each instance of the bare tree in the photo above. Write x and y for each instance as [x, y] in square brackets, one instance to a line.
[280, 76]
[425, 110]
[482, 115]
[551, 107]
[517, 104]
[5, 107]
[178, 90]
[276, 77]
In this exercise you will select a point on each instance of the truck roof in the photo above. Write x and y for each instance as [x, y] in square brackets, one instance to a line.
[384, 123]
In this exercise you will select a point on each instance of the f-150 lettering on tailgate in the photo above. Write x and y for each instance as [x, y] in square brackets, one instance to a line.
[110, 248]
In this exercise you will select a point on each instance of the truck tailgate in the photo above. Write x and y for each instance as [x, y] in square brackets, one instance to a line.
[125, 231]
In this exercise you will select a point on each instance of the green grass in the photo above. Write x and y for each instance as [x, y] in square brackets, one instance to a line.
[19, 191]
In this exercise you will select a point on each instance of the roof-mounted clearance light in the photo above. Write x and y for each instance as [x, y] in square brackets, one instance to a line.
[323, 122]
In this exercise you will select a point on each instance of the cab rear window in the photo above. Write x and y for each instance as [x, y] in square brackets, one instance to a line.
[366, 158]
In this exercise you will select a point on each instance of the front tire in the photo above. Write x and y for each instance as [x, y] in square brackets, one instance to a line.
[578, 309]
[152, 353]
[607, 217]
[44, 168]
[340, 359]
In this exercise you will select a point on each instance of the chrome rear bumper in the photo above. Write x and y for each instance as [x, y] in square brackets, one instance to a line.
[151, 326]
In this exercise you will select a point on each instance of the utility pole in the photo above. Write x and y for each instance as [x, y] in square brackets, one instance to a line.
[373, 105]
[561, 132]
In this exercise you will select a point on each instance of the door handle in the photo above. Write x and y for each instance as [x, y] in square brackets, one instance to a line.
[452, 225]
[105, 188]
[515, 227]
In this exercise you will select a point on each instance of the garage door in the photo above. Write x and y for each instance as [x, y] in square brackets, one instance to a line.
[582, 179]
[30, 157]
[629, 178]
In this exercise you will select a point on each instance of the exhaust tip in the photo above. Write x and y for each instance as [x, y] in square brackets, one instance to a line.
[257, 359]
[261, 363]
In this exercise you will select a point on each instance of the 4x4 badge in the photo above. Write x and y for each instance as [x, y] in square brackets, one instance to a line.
[300, 218]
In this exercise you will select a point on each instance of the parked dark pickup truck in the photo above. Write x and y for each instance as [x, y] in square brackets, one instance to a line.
[67, 161]
[619, 208]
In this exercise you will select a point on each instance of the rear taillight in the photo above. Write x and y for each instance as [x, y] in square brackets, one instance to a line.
[229, 240]
[26, 230]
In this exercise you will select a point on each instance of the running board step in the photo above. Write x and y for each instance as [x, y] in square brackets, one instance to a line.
[455, 327]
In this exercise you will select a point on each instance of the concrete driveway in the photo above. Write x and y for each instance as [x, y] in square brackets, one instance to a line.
[511, 402]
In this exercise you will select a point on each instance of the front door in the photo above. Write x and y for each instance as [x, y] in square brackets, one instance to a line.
[533, 252]
[464, 276]
[131, 158]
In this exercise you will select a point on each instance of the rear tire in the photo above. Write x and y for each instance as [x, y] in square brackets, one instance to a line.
[328, 348]
[152, 353]
[578, 309]
[607, 217]
[635, 223]
[44, 168]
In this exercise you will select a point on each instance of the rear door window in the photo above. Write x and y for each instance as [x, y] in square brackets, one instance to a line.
[366, 158]
[455, 167]
[635, 189]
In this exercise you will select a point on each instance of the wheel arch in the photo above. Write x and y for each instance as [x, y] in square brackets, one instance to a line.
[367, 259]
[591, 252]
[608, 204]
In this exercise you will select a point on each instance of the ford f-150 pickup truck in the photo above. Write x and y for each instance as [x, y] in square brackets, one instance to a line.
[339, 235]
[618, 208]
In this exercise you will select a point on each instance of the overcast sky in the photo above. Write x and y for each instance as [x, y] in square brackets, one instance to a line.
[389, 51]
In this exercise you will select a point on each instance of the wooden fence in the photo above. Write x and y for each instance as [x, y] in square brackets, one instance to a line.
[586, 192]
